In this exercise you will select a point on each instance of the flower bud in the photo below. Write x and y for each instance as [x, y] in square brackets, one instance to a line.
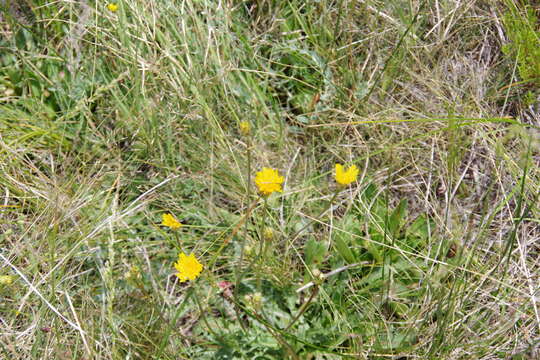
[6, 280]
[318, 276]
[256, 301]
[268, 234]
[245, 128]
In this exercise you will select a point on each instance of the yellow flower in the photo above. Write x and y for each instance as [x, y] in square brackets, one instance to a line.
[245, 128]
[6, 280]
[112, 7]
[268, 181]
[346, 177]
[188, 267]
[170, 221]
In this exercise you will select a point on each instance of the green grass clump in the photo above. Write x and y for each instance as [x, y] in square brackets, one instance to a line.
[521, 28]
[111, 119]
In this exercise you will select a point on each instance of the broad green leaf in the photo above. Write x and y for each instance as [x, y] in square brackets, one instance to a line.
[344, 249]
[314, 251]
[397, 216]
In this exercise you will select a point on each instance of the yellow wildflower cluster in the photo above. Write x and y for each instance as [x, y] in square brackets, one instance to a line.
[268, 181]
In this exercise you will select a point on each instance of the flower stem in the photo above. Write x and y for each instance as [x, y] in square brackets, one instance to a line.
[296, 234]
[203, 313]
[304, 307]
[246, 223]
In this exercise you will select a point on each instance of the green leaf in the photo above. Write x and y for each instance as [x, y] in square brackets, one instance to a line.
[397, 216]
[373, 249]
[314, 251]
[369, 192]
[344, 249]
[396, 340]
[419, 231]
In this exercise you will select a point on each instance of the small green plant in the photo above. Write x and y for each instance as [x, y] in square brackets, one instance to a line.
[524, 45]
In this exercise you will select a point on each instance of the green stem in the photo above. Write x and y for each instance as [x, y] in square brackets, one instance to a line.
[296, 234]
[304, 307]
[177, 240]
[262, 246]
[238, 270]
[203, 313]
[172, 324]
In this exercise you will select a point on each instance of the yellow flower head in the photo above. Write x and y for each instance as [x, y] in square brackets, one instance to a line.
[6, 280]
[245, 128]
[112, 7]
[188, 267]
[268, 181]
[170, 221]
[346, 177]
